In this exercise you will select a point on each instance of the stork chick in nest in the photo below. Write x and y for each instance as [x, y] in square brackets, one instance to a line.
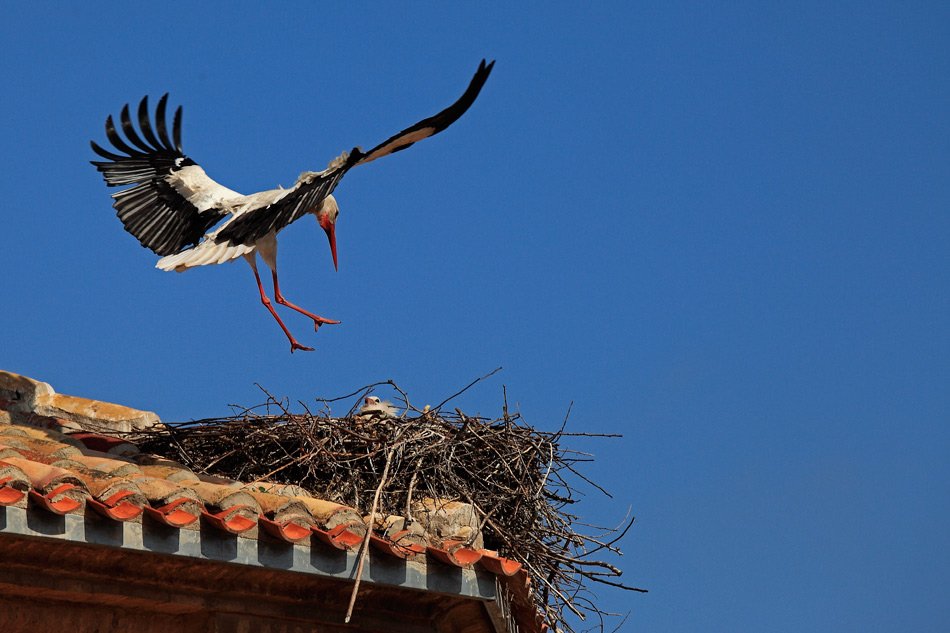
[373, 406]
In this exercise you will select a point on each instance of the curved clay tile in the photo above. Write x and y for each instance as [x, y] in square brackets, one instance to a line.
[169, 503]
[166, 469]
[230, 510]
[49, 448]
[117, 498]
[103, 463]
[329, 515]
[48, 435]
[55, 489]
[106, 444]
[14, 485]
[455, 553]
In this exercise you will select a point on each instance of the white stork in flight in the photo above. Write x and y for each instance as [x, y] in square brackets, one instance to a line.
[173, 203]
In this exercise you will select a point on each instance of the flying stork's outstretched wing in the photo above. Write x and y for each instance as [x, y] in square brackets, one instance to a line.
[311, 188]
[171, 204]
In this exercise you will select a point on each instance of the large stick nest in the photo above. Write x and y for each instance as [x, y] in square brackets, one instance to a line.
[518, 479]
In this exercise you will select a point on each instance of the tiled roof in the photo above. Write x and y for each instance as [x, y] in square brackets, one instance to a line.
[57, 458]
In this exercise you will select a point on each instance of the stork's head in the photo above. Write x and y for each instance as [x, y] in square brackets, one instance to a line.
[326, 216]
[374, 406]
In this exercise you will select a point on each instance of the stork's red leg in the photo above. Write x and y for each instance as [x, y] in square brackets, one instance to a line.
[294, 345]
[317, 320]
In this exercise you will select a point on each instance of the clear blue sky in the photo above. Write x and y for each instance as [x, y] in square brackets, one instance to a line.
[720, 229]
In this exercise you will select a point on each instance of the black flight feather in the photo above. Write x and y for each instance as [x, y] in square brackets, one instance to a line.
[161, 218]
[258, 223]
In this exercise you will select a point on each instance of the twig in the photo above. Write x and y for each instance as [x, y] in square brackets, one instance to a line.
[369, 533]
[438, 407]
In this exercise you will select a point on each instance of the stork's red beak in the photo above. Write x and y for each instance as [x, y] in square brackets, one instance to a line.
[331, 235]
[330, 229]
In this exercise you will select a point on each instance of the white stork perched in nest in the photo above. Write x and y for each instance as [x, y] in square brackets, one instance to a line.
[173, 203]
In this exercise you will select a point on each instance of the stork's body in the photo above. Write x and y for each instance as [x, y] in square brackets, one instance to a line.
[211, 250]
[173, 202]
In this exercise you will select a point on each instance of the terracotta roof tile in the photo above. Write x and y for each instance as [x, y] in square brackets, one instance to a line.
[105, 463]
[289, 530]
[163, 468]
[11, 447]
[277, 506]
[14, 485]
[228, 509]
[106, 444]
[402, 545]
[220, 497]
[49, 448]
[56, 489]
[180, 513]
[284, 490]
[342, 536]
[44, 477]
[49, 435]
[329, 515]
[162, 491]
[455, 553]
[169, 503]
[117, 498]
[497, 565]
[222, 481]
[37, 421]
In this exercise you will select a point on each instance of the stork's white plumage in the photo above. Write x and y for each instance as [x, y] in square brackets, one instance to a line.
[173, 202]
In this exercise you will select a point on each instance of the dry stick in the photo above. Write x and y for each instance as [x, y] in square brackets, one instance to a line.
[350, 395]
[564, 599]
[277, 470]
[405, 398]
[180, 447]
[568, 466]
[609, 544]
[554, 589]
[369, 532]
[439, 406]
[412, 483]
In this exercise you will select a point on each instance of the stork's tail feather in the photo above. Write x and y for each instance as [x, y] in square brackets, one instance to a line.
[208, 252]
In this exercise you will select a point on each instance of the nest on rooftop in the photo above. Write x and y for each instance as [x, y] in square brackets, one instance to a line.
[519, 480]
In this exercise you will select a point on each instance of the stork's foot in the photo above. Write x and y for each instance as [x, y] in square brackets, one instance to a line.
[318, 321]
[294, 345]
